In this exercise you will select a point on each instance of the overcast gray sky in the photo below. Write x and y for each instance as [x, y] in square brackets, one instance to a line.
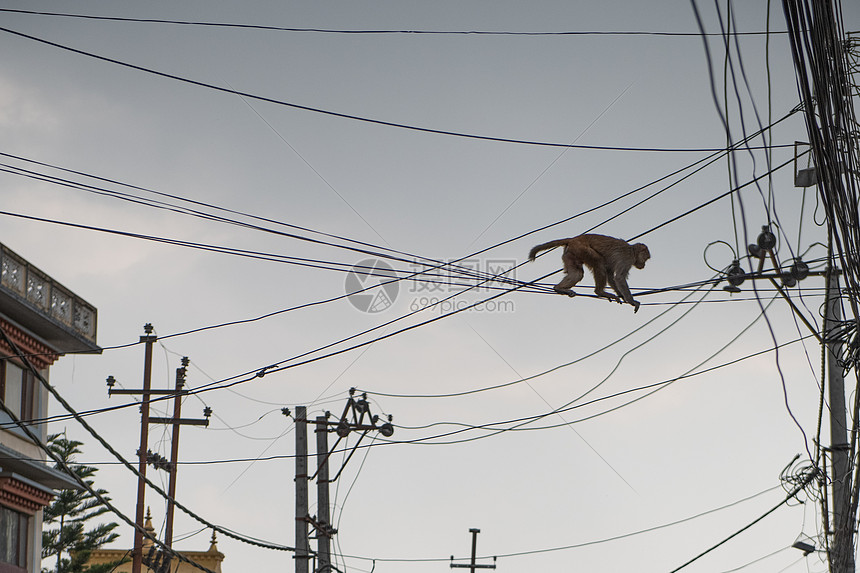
[580, 478]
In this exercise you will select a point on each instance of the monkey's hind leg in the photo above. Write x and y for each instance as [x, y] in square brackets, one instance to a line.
[600, 280]
[574, 275]
[568, 282]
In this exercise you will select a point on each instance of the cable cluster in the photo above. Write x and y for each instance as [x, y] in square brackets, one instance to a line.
[822, 65]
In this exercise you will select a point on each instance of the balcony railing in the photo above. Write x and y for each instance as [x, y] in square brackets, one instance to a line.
[46, 296]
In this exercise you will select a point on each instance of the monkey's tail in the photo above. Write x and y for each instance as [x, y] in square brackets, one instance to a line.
[546, 246]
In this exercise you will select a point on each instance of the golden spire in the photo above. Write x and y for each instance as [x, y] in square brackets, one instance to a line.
[147, 525]
[213, 546]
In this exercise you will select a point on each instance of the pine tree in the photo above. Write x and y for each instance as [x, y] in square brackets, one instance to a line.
[65, 534]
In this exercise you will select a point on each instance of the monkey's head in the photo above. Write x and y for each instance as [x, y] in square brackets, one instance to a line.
[640, 255]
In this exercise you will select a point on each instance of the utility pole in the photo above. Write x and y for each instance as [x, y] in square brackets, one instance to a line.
[145, 456]
[840, 525]
[324, 529]
[174, 451]
[842, 550]
[356, 417]
[472, 565]
[302, 555]
[177, 421]
[824, 79]
[137, 554]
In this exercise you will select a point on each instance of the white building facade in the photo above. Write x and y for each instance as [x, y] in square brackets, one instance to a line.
[40, 320]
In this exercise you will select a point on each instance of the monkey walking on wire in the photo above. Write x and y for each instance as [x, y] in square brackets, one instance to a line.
[608, 258]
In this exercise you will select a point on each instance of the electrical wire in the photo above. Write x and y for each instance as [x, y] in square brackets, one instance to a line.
[728, 193]
[365, 32]
[253, 374]
[526, 379]
[577, 545]
[706, 161]
[760, 559]
[494, 425]
[339, 114]
[496, 429]
[193, 391]
[101, 498]
[447, 298]
[245, 539]
[790, 496]
[543, 373]
[309, 262]
[769, 171]
[353, 245]
[768, 206]
[517, 424]
[352, 268]
[472, 255]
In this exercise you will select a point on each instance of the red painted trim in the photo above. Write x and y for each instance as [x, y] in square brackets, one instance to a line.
[39, 354]
[22, 497]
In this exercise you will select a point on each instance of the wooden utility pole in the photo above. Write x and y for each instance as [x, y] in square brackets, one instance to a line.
[472, 565]
[302, 555]
[177, 421]
[137, 554]
[842, 549]
[174, 452]
[144, 455]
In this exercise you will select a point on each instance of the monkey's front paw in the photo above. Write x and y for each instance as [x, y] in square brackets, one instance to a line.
[567, 291]
[635, 306]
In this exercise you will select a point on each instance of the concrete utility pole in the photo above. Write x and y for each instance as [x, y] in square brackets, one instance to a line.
[842, 550]
[324, 529]
[824, 79]
[356, 417]
[472, 565]
[840, 521]
[302, 555]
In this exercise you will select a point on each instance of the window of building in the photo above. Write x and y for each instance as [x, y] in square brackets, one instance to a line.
[13, 540]
[18, 390]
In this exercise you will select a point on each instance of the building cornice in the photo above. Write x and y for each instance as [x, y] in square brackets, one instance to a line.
[36, 351]
[36, 471]
[22, 495]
